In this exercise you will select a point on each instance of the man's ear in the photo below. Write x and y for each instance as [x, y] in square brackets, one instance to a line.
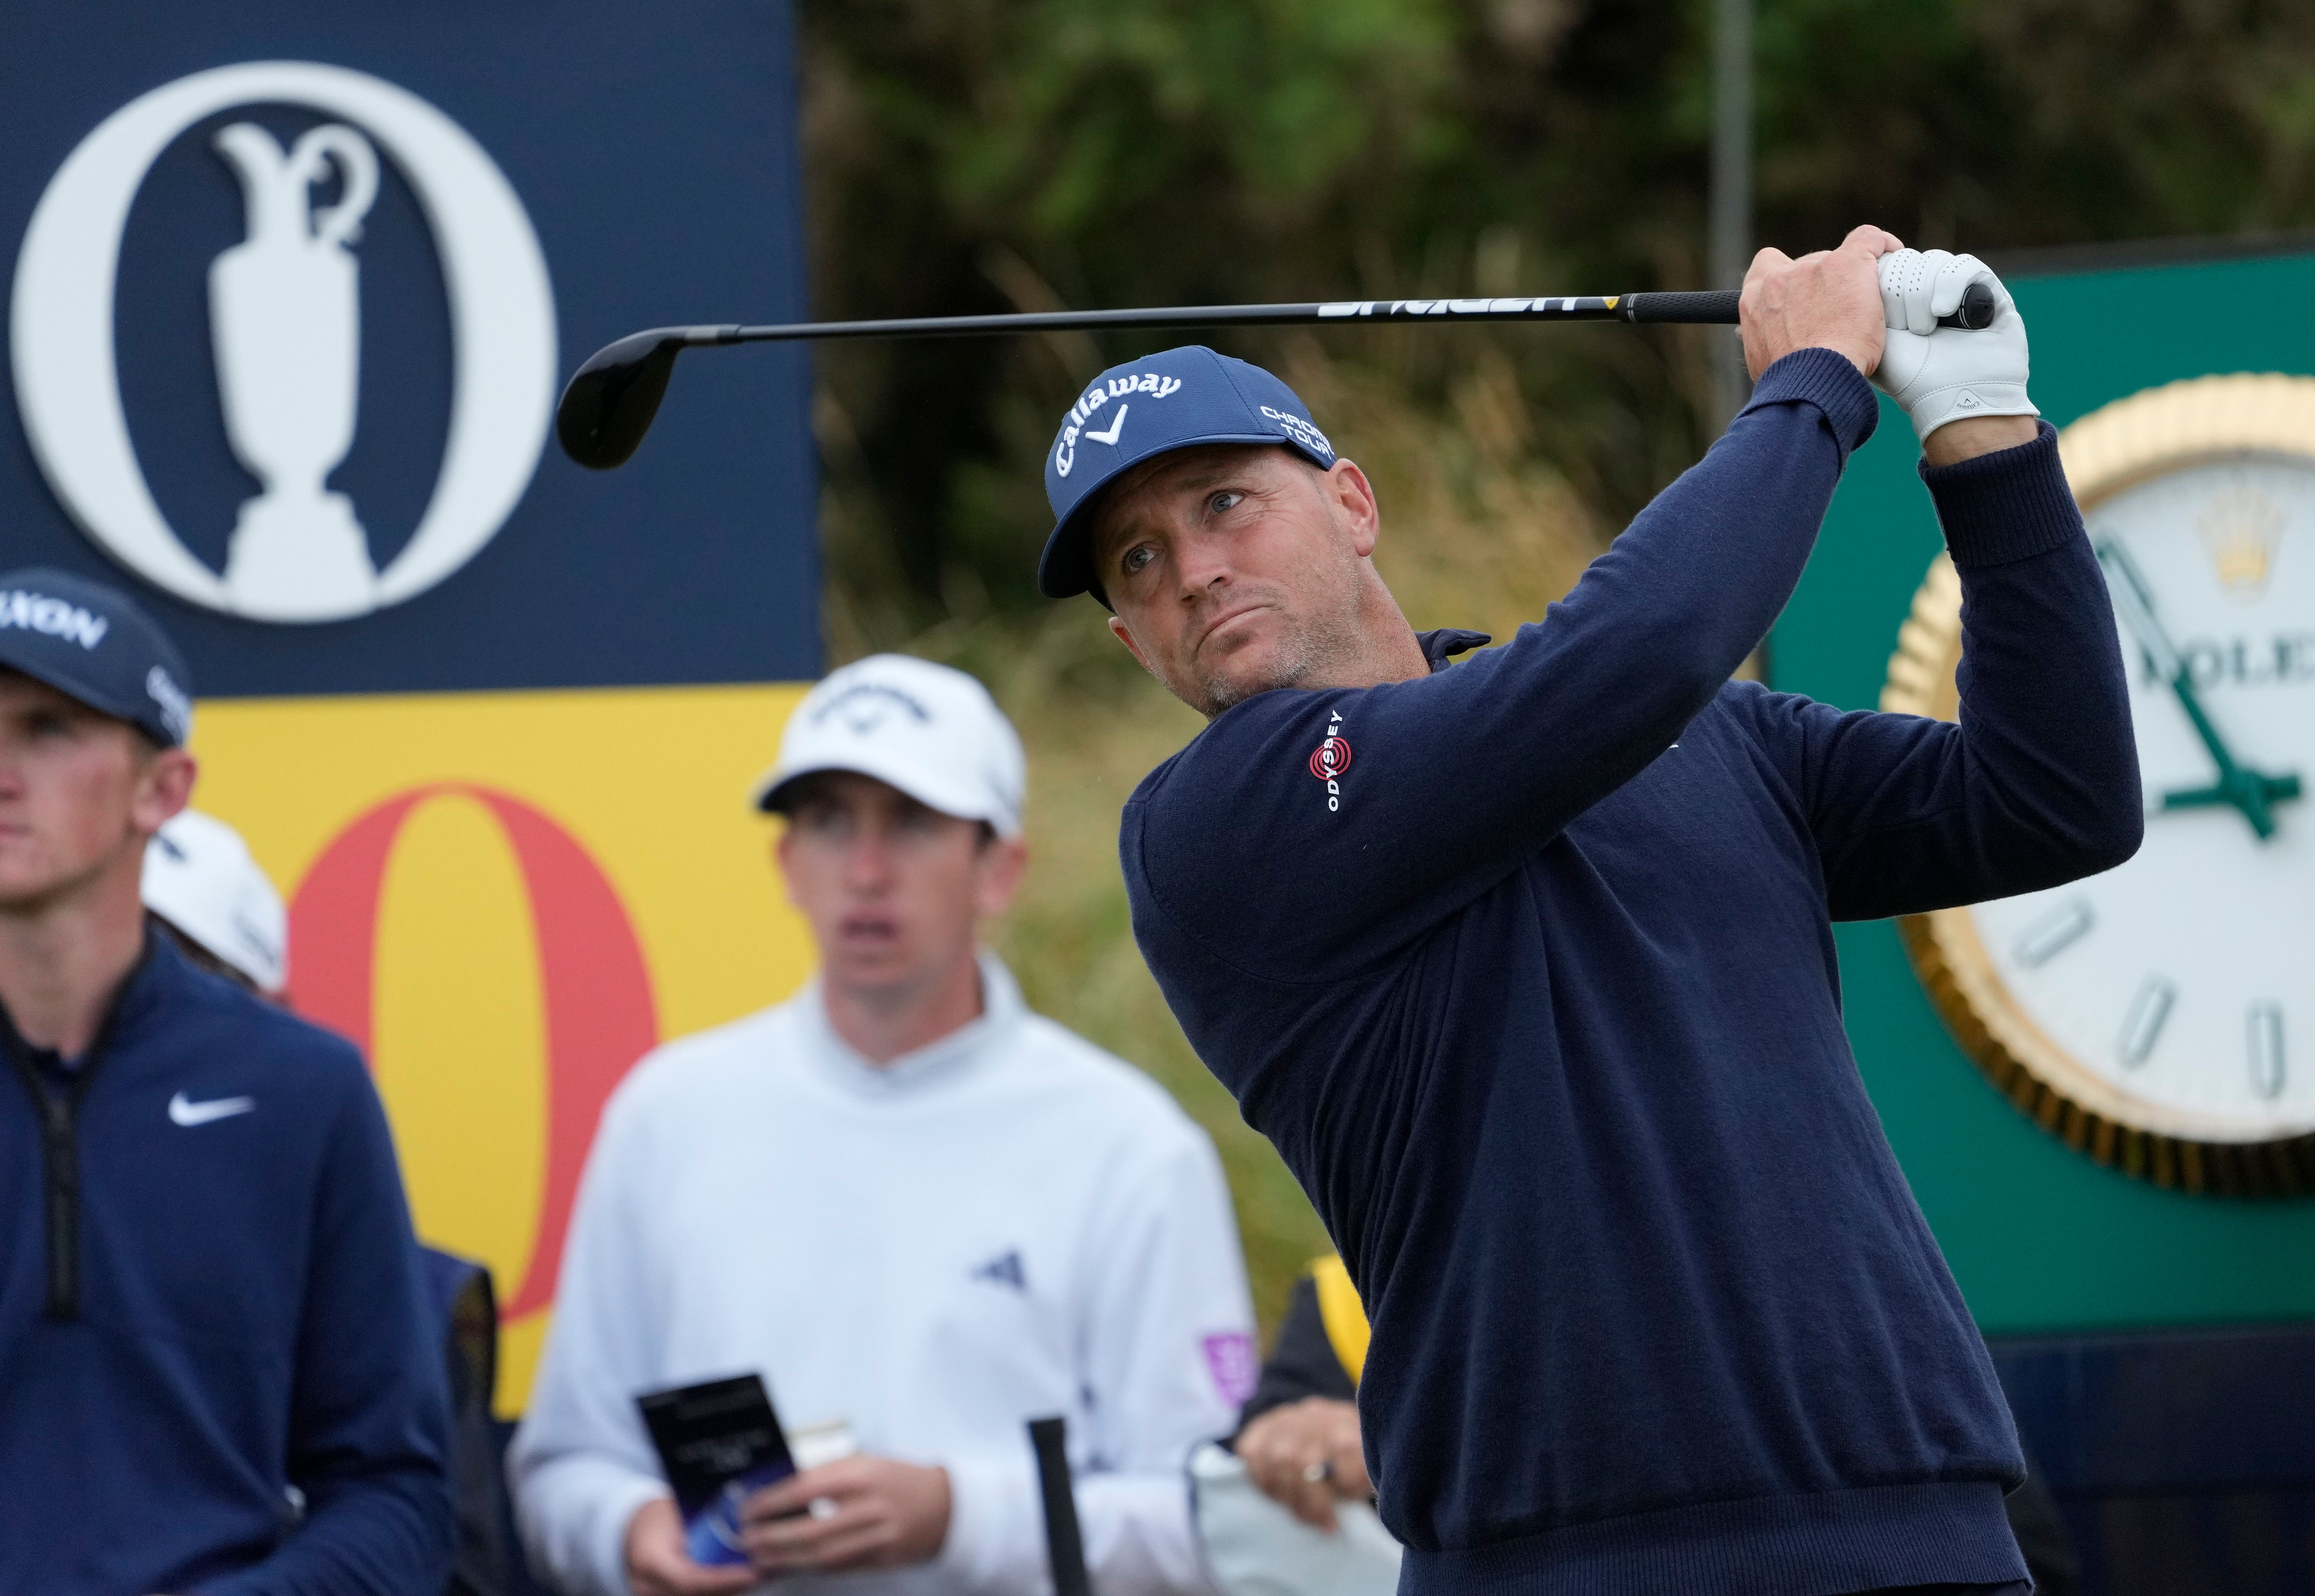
[1002, 861]
[1353, 499]
[163, 787]
[783, 854]
[1118, 630]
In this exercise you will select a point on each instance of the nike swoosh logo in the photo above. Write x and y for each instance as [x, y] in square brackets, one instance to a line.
[184, 1110]
[1115, 427]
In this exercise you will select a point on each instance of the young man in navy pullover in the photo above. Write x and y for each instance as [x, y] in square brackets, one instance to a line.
[1526, 965]
[216, 1375]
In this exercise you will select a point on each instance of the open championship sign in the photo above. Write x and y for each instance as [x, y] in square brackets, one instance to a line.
[294, 288]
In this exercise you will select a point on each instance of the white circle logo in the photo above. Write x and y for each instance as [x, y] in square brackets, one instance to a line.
[284, 312]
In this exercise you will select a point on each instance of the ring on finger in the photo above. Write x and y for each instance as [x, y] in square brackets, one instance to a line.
[823, 1508]
[1318, 1473]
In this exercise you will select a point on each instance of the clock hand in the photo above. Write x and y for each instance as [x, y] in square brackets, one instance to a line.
[2240, 786]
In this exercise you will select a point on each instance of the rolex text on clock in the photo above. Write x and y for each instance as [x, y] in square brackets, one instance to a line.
[2160, 1017]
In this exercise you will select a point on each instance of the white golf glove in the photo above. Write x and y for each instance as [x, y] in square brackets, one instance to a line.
[1948, 374]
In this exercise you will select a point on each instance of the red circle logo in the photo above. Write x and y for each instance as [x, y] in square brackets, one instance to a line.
[1332, 757]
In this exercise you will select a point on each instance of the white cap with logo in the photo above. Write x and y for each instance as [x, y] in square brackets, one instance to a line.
[200, 877]
[930, 731]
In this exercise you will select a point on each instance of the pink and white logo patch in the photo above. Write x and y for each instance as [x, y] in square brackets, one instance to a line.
[1229, 1359]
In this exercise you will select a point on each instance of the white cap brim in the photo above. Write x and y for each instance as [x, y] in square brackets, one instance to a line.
[958, 800]
[924, 730]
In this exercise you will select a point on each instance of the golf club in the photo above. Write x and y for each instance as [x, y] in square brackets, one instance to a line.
[611, 400]
[1049, 1438]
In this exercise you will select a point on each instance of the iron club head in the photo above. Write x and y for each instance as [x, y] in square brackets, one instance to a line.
[610, 401]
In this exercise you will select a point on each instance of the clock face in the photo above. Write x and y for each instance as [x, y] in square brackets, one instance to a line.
[2183, 982]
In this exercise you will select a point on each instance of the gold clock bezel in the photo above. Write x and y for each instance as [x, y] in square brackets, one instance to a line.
[2150, 434]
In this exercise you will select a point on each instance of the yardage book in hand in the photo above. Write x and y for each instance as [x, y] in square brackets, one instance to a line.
[718, 1442]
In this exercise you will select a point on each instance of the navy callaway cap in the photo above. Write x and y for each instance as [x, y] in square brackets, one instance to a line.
[1130, 413]
[92, 642]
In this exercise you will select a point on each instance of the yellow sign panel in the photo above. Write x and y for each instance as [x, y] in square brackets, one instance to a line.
[506, 898]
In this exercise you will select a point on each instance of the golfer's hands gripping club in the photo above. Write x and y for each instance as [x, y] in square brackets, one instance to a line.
[1830, 299]
[1942, 375]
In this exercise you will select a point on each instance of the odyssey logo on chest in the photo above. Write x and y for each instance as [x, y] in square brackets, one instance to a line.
[1330, 759]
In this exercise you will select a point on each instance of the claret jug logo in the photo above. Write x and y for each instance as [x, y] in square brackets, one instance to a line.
[284, 308]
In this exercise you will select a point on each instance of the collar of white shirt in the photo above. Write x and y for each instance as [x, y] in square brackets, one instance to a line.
[949, 1057]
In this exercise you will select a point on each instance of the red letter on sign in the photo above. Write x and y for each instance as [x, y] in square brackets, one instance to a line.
[599, 1016]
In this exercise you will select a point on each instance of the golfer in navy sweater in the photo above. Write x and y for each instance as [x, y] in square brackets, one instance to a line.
[214, 1373]
[1526, 965]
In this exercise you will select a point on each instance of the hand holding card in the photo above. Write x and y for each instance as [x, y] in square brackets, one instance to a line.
[658, 1565]
[857, 1512]
[718, 1443]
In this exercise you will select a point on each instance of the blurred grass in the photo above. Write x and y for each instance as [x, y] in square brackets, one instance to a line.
[1477, 533]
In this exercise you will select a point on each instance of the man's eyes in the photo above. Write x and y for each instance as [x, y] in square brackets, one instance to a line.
[1139, 558]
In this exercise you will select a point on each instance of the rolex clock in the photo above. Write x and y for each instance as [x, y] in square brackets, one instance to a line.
[2160, 1017]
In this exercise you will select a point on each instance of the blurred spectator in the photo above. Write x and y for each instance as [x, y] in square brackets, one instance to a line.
[212, 1309]
[208, 895]
[219, 907]
[1299, 1433]
[917, 1210]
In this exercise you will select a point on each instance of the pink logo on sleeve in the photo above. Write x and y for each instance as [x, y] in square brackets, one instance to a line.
[1229, 1359]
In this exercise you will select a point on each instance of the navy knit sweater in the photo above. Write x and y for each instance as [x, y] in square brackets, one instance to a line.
[1537, 995]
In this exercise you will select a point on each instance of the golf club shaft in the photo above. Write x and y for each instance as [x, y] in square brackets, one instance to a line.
[608, 403]
[1064, 1542]
[1716, 306]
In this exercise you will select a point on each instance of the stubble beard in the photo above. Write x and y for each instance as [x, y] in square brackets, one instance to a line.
[1291, 663]
[1309, 645]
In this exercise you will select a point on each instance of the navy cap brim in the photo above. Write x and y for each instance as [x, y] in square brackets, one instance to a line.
[28, 661]
[1065, 569]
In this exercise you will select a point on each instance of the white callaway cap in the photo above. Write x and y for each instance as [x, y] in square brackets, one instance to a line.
[932, 732]
[198, 876]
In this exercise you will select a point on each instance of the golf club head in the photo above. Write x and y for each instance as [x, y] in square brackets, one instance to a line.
[610, 401]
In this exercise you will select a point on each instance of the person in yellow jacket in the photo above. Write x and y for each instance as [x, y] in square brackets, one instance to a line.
[1299, 1433]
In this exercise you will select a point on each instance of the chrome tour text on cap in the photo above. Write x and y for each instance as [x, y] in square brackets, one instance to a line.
[93, 643]
[1152, 406]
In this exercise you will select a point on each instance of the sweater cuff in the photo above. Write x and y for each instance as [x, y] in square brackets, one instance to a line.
[993, 1519]
[1828, 380]
[606, 1541]
[2012, 504]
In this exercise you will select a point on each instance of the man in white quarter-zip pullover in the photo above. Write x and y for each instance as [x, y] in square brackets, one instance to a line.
[917, 1210]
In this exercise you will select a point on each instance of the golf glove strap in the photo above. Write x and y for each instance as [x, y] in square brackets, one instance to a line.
[1948, 374]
